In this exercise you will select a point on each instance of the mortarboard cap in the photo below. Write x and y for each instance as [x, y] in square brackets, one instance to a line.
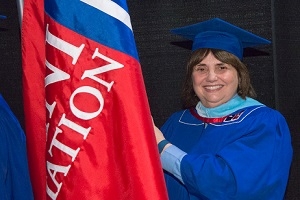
[219, 34]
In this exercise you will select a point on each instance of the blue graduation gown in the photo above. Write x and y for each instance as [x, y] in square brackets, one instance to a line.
[245, 156]
[14, 174]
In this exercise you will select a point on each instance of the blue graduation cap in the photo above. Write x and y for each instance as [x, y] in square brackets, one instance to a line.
[219, 34]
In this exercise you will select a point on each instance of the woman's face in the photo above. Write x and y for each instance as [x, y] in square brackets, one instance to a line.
[214, 82]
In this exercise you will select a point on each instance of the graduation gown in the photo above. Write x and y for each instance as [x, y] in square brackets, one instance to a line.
[244, 155]
[14, 174]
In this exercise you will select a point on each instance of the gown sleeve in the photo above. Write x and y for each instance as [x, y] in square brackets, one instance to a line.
[255, 166]
[14, 178]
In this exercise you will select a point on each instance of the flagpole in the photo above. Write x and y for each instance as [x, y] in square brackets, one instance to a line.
[20, 5]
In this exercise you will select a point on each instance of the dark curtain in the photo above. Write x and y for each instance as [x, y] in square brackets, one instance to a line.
[286, 22]
[163, 56]
[10, 58]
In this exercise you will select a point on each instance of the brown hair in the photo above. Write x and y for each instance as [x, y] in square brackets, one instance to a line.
[244, 88]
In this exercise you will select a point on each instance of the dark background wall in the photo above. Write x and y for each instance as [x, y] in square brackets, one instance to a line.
[286, 17]
[274, 69]
[10, 57]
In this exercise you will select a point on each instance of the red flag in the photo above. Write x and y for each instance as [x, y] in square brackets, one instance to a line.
[100, 139]
[33, 61]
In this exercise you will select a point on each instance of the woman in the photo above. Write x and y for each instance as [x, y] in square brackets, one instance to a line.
[225, 145]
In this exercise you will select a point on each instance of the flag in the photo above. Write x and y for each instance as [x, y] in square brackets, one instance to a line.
[33, 63]
[100, 139]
